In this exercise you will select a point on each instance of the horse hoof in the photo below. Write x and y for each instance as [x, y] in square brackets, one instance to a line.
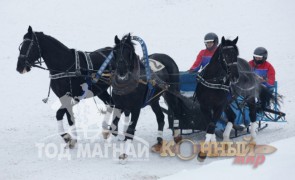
[123, 159]
[177, 139]
[72, 143]
[106, 134]
[156, 148]
[252, 142]
[67, 137]
[201, 156]
[115, 133]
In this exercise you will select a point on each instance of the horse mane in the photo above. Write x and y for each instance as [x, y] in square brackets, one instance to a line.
[215, 56]
[128, 41]
[52, 39]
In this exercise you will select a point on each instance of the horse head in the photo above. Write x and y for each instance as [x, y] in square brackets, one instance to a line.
[29, 52]
[229, 53]
[243, 80]
[126, 65]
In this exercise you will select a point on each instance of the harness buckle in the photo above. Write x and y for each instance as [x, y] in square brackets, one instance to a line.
[153, 82]
[78, 72]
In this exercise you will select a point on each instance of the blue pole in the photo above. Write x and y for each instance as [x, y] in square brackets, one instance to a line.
[145, 56]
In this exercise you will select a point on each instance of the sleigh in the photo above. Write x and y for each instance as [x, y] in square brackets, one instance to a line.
[193, 121]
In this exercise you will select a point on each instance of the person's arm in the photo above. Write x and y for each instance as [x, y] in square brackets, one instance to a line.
[271, 76]
[197, 64]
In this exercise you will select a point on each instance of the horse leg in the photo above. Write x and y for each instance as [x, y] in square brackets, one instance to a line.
[125, 126]
[126, 120]
[231, 118]
[60, 126]
[105, 121]
[173, 115]
[129, 135]
[114, 128]
[252, 114]
[66, 136]
[210, 135]
[116, 118]
[107, 100]
[210, 129]
[160, 119]
[73, 130]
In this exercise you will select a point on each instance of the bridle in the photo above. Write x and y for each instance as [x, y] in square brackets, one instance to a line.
[228, 62]
[27, 54]
[121, 57]
[225, 78]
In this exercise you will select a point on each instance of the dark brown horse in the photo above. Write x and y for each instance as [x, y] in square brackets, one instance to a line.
[132, 89]
[70, 73]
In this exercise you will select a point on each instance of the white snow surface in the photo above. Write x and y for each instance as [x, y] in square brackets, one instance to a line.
[173, 27]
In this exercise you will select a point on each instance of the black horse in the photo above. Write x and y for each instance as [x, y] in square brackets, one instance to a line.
[225, 78]
[70, 73]
[131, 88]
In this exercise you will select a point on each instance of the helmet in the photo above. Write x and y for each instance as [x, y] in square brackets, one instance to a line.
[260, 52]
[211, 37]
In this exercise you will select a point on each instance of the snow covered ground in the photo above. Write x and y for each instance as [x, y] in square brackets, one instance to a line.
[174, 27]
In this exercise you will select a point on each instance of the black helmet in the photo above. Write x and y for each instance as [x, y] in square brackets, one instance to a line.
[260, 52]
[211, 37]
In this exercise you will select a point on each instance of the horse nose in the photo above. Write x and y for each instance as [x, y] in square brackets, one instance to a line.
[20, 66]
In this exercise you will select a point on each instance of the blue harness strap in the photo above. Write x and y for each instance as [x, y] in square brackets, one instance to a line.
[102, 67]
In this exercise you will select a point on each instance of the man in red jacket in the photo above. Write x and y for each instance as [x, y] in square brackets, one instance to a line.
[204, 56]
[263, 68]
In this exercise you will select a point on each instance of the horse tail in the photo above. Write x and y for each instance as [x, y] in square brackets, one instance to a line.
[266, 96]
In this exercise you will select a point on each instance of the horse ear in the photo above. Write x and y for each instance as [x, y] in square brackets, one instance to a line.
[30, 30]
[117, 40]
[222, 40]
[129, 37]
[236, 40]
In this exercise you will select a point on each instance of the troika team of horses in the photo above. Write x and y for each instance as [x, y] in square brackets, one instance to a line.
[76, 75]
